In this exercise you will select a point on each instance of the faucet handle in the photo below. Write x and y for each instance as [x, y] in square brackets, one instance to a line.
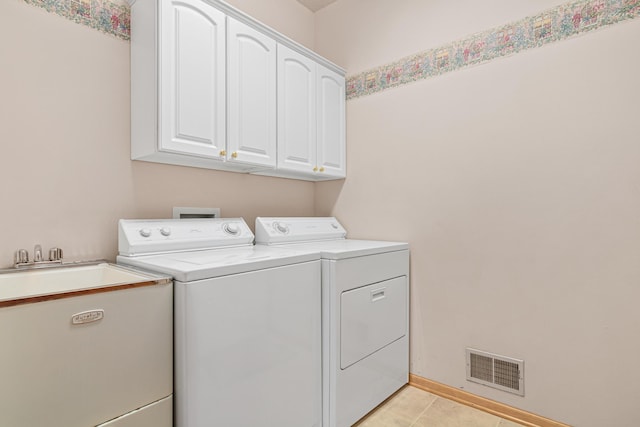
[55, 254]
[22, 256]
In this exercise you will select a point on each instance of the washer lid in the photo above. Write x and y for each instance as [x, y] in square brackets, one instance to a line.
[152, 236]
[200, 265]
[271, 231]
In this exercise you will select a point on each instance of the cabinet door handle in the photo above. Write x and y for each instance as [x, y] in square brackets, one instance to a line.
[321, 169]
[234, 155]
[223, 153]
[315, 169]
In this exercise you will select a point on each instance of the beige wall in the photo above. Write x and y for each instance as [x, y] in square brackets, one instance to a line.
[286, 16]
[64, 163]
[517, 185]
[516, 182]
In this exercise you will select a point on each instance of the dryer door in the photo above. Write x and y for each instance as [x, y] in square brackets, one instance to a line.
[372, 317]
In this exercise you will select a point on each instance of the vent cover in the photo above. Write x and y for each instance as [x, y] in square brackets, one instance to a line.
[503, 373]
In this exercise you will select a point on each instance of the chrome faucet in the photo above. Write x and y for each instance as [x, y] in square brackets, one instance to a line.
[22, 258]
[37, 254]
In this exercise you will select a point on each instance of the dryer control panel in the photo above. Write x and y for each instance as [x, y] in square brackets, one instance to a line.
[151, 236]
[297, 230]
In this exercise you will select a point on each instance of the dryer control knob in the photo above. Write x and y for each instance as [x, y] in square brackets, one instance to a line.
[145, 232]
[281, 227]
[231, 228]
[165, 231]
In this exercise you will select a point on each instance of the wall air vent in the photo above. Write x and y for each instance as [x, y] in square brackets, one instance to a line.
[503, 373]
[193, 213]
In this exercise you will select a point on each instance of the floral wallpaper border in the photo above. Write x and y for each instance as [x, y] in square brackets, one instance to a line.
[564, 21]
[555, 24]
[108, 16]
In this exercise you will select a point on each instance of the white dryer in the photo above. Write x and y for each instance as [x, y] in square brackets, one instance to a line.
[246, 322]
[365, 312]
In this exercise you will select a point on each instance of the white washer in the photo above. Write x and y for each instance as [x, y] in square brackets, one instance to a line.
[365, 312]
[247, 323]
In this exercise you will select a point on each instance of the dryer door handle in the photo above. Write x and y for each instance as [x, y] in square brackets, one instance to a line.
[377, 294]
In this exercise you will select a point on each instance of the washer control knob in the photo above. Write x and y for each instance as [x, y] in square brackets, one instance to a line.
[145, 232]
[165, 231]
[334, 225]
[281, 227]
[231, 228]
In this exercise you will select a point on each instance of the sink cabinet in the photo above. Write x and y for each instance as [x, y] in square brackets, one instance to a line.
[86, 346]
[213, 88]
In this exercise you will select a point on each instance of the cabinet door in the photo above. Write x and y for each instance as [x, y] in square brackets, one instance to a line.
[331, 123]
[192, 78]
[296, 111]
[251, 91]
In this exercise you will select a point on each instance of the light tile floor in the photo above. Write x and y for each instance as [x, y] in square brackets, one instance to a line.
[412, 407]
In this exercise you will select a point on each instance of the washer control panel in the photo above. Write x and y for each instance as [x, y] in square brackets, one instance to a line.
[291, 230]
[150, 236]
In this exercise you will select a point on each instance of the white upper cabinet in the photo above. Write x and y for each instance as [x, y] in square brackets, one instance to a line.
[251, 92]
[192, 78]
[213, 88]
[331, 143]
[311, 118]
[296, 111]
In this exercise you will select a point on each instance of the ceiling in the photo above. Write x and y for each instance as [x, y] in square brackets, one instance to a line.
[315, 5]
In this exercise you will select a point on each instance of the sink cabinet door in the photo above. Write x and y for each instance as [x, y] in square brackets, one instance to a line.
[192, 78]
[57, 373]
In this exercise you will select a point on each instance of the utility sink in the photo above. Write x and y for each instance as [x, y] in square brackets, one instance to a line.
[34, 285]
